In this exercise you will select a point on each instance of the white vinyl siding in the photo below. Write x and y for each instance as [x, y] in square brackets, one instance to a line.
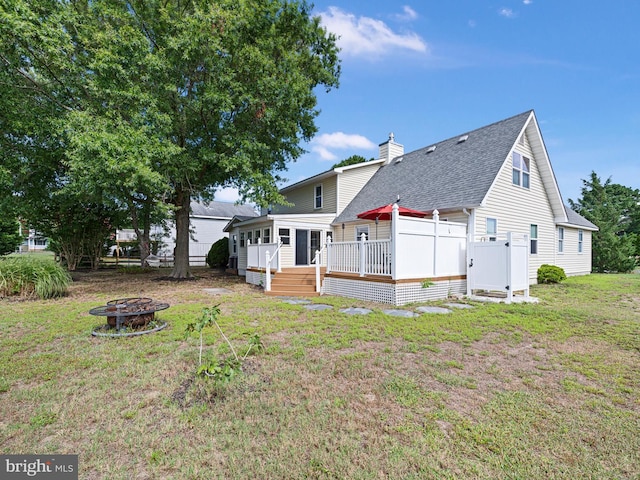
[573, 262]
[518, 208]
[351, 181]
[303, 198]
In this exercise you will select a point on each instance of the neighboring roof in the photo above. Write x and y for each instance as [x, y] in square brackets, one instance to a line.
[456, 174]
[577, 220]
[221, 210]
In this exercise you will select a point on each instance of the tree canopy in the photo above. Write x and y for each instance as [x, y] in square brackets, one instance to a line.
[352, 160]
[155, 102]
[615, 210]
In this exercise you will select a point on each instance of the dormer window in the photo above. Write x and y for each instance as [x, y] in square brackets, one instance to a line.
[317, 201]
[521, 170]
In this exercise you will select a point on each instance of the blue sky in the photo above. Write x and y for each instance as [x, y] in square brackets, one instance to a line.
[429, 70]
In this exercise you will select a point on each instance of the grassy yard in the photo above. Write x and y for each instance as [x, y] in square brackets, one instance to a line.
[498, 391]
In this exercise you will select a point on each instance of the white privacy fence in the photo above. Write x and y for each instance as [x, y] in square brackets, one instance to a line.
[501, 265]
[418, 248]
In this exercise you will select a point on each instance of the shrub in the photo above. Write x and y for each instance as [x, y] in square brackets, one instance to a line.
[551, 274]
[30, 276]
[218, 255]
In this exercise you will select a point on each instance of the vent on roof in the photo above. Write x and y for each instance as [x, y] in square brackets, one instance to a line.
[399, 159]
[432, 148]
[463, 138]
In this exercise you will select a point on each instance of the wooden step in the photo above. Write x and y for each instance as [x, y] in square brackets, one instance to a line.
[295, 282]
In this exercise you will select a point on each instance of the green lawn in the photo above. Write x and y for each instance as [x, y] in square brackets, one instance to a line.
[548, 390]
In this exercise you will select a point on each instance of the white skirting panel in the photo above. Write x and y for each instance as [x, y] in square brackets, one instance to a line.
[394, 294]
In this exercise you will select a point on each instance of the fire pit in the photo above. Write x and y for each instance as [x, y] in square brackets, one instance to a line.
[134, 312]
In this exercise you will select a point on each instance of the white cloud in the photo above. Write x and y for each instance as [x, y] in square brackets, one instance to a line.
[506, 12]
[366, 36]
[527, 2]
[325, 143]
[407, 15]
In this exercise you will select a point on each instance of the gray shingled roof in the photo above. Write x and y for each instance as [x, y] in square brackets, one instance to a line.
[455, 175]
[221, 210]
[578, 220]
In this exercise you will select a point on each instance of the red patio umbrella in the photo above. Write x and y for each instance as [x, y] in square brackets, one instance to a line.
[384, 213]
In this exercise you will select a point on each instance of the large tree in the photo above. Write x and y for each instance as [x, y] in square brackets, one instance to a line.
[170, 99]
[609, 206]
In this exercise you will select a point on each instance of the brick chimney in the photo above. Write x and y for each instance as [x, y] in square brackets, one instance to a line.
[390, 149]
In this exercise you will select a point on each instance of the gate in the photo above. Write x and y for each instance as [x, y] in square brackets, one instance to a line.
[499, 265]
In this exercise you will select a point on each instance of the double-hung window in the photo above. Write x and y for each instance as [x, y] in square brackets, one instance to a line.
[317, 199]
[285, 235]
[360, 229]
[560, 239]
[521, 170]
[235, 243]
[241, 239]
[534, 239]
[580, 240]
[266, 235]
[492, 229]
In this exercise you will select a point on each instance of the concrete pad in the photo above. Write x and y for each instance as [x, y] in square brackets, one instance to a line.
[458, 305]
[318, 307]
[433, 310]
[217, 291]
[516, 299]
[355, 311]
[400, 313]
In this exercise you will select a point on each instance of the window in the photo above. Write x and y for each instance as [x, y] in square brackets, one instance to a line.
[580, 240]
[234, 243]
[521, 170]
[266, 235]
[256, 236]
[241, 239]
[249, 238]
[534, 239]
[317, 197]
[492, 229]
[560, 239]
[285, 236]
[360, 229]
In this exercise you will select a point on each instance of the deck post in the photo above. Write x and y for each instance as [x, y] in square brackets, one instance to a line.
[329, 254]
[394, 241]
[363, 239]
[317, 258]
[436, 219]
[267, 278]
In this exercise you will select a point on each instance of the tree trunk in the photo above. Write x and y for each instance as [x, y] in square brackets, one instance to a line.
[181, 268]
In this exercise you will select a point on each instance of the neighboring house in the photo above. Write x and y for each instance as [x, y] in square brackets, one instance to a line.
[493, 180]
[32, 241]
[207, 222]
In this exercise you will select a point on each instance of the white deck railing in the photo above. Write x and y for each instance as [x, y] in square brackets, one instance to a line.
[366, 257]
[256, 255]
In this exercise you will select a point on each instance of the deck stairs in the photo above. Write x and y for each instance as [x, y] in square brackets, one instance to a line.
[296, 282]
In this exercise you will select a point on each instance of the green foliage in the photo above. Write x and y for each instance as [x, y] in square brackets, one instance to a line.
[30, 276]
[221, 371]
[426, 283]
[10, 236]
[145, 102]
[615, 210]
[352, 160]
[551, 274]
[218, 255]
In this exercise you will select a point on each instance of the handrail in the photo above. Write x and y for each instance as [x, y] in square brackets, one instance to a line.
[267, 283]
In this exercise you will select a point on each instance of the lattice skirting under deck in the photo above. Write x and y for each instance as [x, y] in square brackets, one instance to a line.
[395, 294]
[257, 278]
